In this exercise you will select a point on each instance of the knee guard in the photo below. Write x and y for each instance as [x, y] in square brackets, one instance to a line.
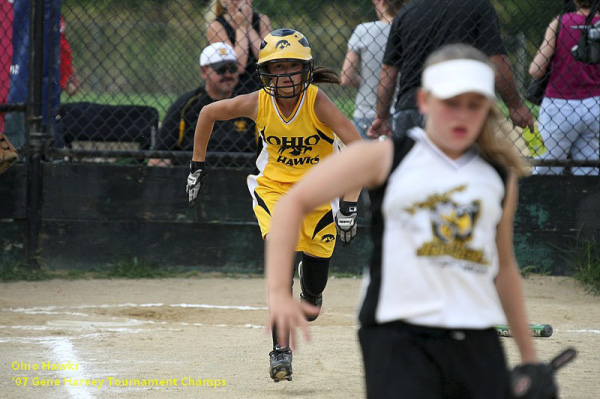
[313, 277]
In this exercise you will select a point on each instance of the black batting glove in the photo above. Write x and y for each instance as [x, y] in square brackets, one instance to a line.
[533, 381]
[345, 220]
[196, 179]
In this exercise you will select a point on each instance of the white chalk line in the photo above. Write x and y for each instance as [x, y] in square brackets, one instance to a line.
[184, 305]
[101, 332]
[63, 350]
[58, 309]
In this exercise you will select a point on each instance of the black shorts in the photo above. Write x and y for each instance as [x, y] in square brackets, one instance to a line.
[412, 362]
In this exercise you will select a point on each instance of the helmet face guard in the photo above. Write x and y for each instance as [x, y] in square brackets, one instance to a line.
[271, 82]
[285, 45]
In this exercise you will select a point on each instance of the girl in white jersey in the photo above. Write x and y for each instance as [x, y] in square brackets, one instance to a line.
[443, 270]
[297, 127]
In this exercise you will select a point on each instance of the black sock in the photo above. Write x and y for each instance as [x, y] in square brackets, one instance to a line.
[274, 327]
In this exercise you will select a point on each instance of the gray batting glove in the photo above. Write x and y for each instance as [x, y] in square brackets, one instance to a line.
[345, 220]
[195, 180]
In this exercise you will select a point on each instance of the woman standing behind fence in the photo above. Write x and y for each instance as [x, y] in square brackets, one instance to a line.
[569, 115]
[365, 48]
[239, 25]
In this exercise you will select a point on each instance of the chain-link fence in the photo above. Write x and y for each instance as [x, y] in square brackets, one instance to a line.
[132, 85]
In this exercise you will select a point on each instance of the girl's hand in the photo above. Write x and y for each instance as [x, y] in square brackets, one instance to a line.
[243, 15]
[286, 315]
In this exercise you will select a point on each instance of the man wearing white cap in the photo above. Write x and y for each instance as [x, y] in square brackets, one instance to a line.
[218, 64]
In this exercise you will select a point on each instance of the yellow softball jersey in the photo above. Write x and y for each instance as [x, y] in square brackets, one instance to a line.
[290, 145]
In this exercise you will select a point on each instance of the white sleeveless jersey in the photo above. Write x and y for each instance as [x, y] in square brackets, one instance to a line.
[434, 231]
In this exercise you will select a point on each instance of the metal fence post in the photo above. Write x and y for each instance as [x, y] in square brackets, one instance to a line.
[34, 133]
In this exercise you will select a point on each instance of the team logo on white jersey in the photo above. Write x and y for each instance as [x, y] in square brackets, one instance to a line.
[452, 226]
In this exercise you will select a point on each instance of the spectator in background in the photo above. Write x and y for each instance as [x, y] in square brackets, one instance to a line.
[69, 82]
[218, 63]
[569, 6]
[421, 27]
[236, 23]
[569, 115]
[365, 48]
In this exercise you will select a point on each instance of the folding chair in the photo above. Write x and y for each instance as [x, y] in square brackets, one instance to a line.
[98, 126]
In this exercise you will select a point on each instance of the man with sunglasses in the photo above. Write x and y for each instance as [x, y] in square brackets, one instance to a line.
[218, 64]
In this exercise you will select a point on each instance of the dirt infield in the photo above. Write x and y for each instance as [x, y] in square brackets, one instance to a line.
[204, 338]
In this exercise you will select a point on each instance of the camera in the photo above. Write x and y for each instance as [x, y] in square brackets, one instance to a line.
[588, 49]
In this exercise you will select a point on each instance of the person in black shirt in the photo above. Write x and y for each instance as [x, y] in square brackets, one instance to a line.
[420, 28]
[239, 25]
[218, 64]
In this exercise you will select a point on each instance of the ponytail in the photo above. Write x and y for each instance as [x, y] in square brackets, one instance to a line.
[323, 74]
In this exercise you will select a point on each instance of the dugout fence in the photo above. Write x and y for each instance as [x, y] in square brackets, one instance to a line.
[130, 54]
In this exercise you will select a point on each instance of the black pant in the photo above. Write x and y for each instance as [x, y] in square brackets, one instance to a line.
[412, 362]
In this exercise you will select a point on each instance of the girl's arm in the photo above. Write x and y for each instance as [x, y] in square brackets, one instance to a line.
[243, 105]
[508, 281]
[330, 115]
[362, 164]
[349, 76]
[542, 58]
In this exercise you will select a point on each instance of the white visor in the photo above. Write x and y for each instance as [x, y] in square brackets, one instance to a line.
[451, 78]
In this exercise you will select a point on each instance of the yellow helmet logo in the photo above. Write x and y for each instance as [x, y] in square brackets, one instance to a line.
[280, 45]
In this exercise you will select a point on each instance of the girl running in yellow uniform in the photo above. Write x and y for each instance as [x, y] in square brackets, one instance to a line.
[297, 127]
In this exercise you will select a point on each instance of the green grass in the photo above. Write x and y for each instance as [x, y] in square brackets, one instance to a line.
[134, 268]
[583, 258]
[128, 268]
[118, 268]
[586, 264]
[20, 270]
[528, 270]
